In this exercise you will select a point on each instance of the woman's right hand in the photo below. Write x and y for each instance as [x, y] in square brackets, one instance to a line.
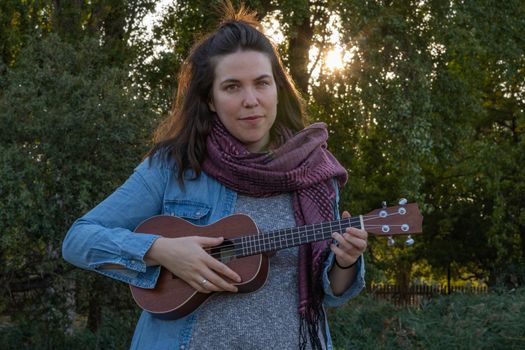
[187, 259]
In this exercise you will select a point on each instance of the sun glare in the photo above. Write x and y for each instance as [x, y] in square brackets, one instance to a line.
[334, 59]
[272, 28]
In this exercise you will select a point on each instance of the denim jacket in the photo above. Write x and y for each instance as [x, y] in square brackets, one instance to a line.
[105, 236]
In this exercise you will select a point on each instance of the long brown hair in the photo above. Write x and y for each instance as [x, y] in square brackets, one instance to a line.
[182, 135]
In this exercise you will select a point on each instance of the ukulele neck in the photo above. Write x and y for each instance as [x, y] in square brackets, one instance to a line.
[290, 237]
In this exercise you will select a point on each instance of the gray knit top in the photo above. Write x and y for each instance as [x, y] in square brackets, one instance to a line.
[267, 318]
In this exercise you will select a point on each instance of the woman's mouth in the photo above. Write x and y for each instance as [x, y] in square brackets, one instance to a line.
[252, 119]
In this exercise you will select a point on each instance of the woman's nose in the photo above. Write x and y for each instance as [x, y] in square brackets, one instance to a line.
[250, 99]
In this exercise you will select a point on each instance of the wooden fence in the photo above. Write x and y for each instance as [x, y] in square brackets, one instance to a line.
[415, 295]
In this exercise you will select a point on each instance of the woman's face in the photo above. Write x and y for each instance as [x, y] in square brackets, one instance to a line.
[244, 96]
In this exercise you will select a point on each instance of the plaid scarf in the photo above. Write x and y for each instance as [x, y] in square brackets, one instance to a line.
[301, 165]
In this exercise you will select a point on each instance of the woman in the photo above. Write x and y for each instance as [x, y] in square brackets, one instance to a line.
[235, 142]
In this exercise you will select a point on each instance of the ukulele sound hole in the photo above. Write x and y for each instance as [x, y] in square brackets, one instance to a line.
[224, 252]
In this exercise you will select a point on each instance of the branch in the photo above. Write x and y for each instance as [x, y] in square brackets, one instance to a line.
[321, 50]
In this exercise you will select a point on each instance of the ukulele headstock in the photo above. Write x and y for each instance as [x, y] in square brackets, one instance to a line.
[402, 219]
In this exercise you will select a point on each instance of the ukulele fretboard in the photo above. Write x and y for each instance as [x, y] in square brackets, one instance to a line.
[290, 237]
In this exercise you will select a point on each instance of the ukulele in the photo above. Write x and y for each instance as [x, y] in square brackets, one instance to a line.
[244, 246]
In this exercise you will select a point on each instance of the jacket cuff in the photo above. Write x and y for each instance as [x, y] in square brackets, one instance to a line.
[131, 267]
[330, 299]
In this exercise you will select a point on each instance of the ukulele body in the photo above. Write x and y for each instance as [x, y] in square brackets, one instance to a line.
[173, 298]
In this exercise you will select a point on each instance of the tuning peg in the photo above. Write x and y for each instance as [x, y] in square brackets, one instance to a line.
[403, 201]
[390, 242]
[409, 241]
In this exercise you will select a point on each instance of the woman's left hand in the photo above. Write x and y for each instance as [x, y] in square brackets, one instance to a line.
[351, 244]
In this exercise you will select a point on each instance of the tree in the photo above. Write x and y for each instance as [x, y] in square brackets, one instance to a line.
[431, 107]
[73, 127]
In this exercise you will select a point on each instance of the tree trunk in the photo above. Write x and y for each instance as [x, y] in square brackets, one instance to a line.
[403, 281]
[298, 51]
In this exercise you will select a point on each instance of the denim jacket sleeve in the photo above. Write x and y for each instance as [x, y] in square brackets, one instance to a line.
[104, 236]
[330, 299]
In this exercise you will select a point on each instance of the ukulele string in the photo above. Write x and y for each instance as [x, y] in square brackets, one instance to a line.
[257, 239]
[262, 239]
[256, 242]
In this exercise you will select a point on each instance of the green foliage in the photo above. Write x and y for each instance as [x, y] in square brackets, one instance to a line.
[450, 322]
[477, 186]
[73, 128]
[491, 321]
[430, 107]
[113, 333]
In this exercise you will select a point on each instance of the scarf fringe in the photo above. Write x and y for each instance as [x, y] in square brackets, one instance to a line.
[313, 334]
[314, 316]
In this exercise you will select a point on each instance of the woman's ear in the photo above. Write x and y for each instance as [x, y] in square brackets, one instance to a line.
[211, 106]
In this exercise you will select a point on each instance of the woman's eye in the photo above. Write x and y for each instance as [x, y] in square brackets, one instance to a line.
[232, 87]
[264, 83]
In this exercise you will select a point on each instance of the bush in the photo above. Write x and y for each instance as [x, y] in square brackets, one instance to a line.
[73, 127]
[487, 321]
[115, 332]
